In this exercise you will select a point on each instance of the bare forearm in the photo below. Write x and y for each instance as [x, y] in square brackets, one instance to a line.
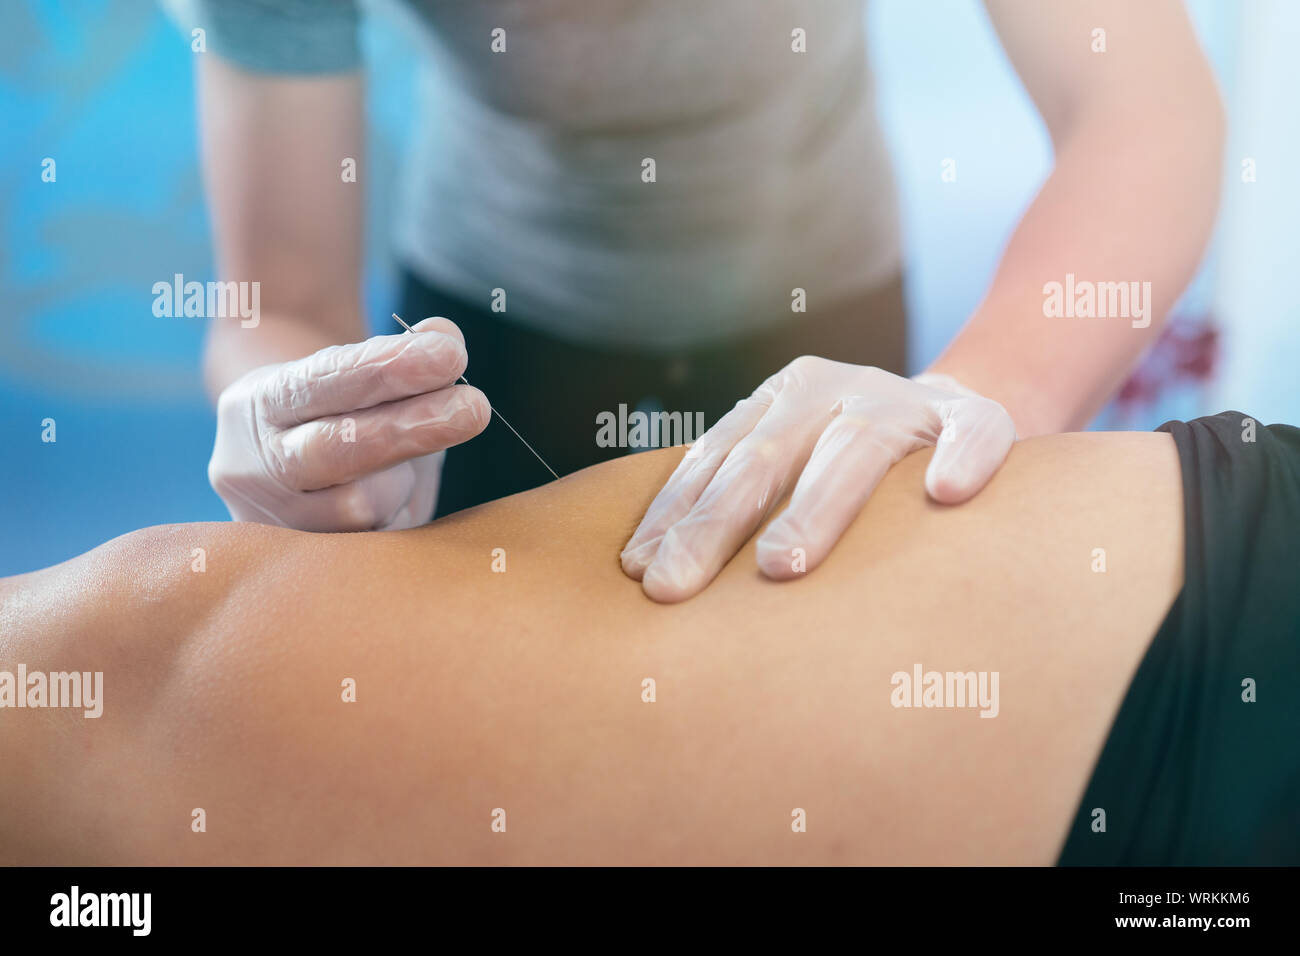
[1138, 130]
[285, 215]
[1133, 207]
[1132, 221]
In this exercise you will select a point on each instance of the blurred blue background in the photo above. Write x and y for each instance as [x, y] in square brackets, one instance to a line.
[106, 89]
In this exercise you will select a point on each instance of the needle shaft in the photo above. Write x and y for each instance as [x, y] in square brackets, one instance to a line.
[496, 413]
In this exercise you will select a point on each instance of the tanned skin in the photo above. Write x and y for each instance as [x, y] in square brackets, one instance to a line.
[523, 690]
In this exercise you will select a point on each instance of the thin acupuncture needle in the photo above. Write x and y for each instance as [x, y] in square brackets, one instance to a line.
[495, 412]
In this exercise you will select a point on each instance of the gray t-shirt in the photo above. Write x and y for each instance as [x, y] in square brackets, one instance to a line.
[528, 166]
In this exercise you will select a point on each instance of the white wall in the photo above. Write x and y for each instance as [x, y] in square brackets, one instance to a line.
[1259, 252]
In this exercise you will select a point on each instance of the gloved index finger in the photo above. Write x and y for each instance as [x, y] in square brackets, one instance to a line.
[344, 378]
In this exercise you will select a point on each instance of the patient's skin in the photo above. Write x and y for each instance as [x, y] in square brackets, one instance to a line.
[523, 690]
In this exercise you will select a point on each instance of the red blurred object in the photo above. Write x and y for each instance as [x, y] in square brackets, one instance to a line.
[1186, 351]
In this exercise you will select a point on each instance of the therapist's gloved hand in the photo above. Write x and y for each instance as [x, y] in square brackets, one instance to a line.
[837, 429]
[349, 438]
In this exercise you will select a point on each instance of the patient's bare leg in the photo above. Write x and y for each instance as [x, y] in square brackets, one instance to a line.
[507, 673]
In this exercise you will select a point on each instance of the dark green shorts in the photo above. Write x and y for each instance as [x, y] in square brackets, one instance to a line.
[1202, 765]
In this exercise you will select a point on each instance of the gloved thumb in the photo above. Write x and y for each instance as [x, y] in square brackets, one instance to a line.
[975, 438]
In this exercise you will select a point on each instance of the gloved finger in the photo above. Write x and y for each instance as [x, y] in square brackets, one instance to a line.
[689, 479]
[977, 435]
[854, 452]
[343, 378]
[436, 323]
[341, 448]
[419, 507]
[742, 493]
[358, 505]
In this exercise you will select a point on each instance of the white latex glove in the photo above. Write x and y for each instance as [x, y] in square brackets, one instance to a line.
[836, 428]
[282, 454]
